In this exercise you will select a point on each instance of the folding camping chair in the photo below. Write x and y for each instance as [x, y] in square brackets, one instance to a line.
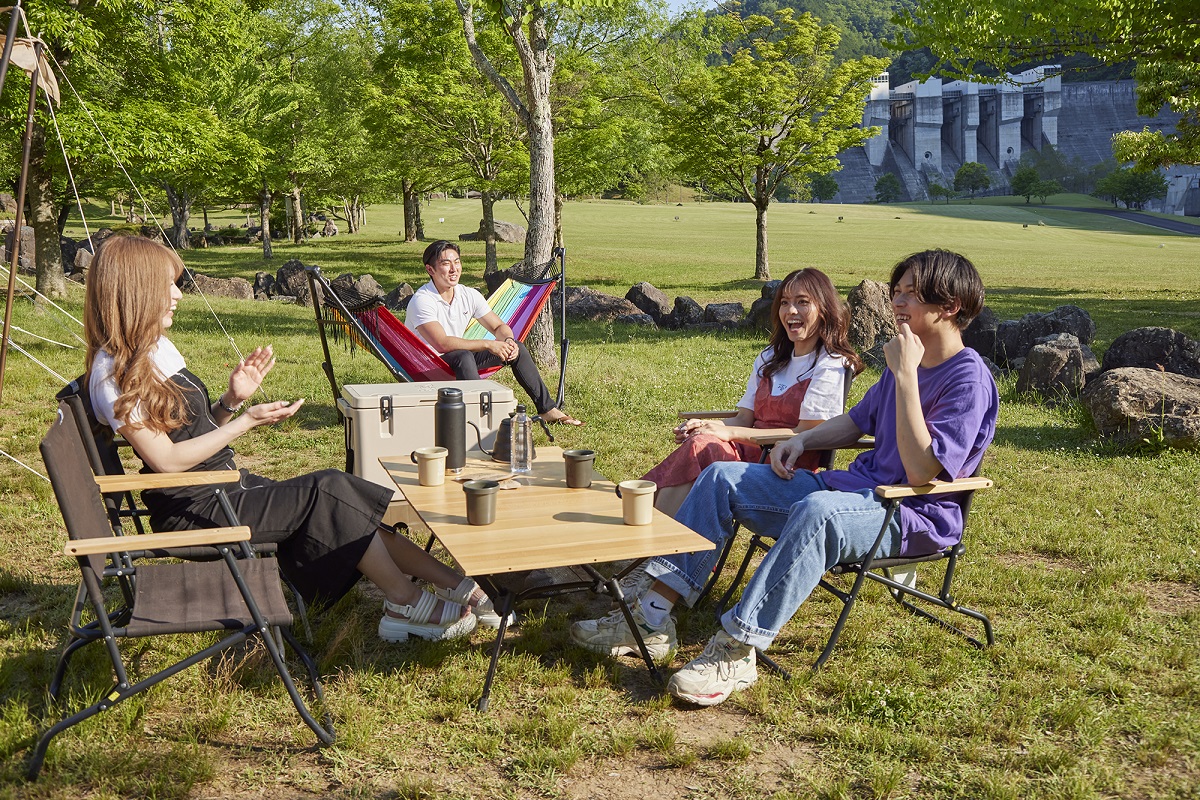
[889, 571]
[407, 357]
[241, 596]
[103, 454]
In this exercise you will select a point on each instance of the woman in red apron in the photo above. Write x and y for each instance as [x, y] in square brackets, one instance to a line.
[797, 382]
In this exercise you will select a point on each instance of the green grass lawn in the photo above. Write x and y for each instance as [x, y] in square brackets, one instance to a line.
[1085, 557]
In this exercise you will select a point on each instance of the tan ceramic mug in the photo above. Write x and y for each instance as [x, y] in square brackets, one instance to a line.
[431, 465]
[637, 499]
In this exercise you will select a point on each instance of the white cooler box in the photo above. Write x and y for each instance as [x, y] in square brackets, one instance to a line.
[393, 419]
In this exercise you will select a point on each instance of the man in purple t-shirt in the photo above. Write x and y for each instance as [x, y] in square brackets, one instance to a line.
[932, 413]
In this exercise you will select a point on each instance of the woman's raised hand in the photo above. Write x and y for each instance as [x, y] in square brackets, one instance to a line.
[270, 413]
[248, 375]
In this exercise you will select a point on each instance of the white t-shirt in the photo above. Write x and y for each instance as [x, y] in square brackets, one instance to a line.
[824, 397]
[427, 306]
[103, 386]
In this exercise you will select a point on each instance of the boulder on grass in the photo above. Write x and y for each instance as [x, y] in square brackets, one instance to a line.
[397, 299]
[1057, 365]
[1131, 405]
[980, 335]
[1015, 337]
[594, 306]
[759, 315]
[264, 285]
[686, 312]
[292, 281]
[234, 288]
[1151, 348]
[872, 322]
[650, 300]
[727, 315]
[636, 319]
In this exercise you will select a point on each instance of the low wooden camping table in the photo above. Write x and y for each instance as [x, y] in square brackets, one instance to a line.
[541, 525]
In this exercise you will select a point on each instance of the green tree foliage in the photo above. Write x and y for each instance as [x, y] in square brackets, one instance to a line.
[1044, 189]
[972, 38]
[936, 190]
[769, 108]
[972, 177]
[1131, 187]
[888, 188]
[823, 187]
[1024, 182]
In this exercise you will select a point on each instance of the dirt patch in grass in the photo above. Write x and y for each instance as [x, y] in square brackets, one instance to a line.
[1169, 597]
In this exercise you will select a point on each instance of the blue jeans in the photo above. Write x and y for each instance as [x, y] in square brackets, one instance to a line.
[814, 528]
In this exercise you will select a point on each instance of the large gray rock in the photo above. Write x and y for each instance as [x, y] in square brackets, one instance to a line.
[1131, 404]
[651, 300]
[330, 228]
[759, 315]
[507, 232]
[397, 299]
[234, 288]
[636, 319]
[686, 312]
[1151, 348]
[594, 306]
[727, 315]
[1015, 337]
[264, 285]
[872, 322]
[28, 260]
[1057, 366]
[291, 280]
[83, 260]
[980, 335]
[68, 248]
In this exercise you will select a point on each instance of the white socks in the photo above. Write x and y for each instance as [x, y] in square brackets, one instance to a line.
[655, 608]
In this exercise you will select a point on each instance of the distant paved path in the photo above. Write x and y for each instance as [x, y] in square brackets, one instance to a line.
[1133, 216]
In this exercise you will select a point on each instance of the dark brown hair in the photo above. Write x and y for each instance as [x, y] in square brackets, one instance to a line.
[942, 277]
[833, 321]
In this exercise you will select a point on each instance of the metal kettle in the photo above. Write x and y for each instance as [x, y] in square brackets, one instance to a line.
[502, 450]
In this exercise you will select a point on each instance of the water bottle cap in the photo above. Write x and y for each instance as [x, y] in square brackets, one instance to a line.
[520, 408]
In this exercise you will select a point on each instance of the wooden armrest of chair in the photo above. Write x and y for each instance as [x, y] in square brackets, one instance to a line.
[722, 414]
[933, 487]
[164, 480]
[152, 541]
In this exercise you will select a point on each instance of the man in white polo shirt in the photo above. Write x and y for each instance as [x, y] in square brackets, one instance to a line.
[440, 311]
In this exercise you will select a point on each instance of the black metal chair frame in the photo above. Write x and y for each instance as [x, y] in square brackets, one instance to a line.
[91, 537]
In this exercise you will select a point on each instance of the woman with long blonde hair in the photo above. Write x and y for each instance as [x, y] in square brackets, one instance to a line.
[326, 524]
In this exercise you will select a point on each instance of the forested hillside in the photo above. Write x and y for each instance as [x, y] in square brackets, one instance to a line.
[867, 24]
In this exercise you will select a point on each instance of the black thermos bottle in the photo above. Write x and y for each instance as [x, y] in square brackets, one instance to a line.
[450, 427]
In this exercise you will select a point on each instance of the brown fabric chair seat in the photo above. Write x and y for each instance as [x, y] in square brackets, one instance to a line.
[198, 596]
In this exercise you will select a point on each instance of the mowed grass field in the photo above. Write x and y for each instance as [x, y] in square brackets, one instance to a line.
[1084, 555]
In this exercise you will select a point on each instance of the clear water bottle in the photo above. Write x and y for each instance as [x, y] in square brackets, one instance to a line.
[522, 443]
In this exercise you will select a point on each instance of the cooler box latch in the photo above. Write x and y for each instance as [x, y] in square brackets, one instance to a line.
[385, 407]
[485, 404]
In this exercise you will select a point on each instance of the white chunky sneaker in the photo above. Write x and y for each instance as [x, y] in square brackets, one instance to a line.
[634, 585]
[611, 635]
[725, 666]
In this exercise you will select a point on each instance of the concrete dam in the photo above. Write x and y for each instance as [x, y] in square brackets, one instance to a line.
[928, 129]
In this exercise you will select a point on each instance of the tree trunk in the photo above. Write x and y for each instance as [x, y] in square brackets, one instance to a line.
[762, 269]
[297, 232]
[489, 231]
[418, 222]
[264, 219]
[43, 217]
[180, 203]
[412, 211]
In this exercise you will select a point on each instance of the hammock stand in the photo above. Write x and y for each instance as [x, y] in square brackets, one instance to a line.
[366, 323]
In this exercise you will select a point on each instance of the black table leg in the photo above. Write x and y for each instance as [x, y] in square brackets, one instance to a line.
[504, 609]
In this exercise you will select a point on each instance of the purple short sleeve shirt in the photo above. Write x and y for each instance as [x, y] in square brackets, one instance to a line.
[960, 405]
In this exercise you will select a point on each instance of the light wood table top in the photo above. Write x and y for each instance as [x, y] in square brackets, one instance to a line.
[541, 524]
